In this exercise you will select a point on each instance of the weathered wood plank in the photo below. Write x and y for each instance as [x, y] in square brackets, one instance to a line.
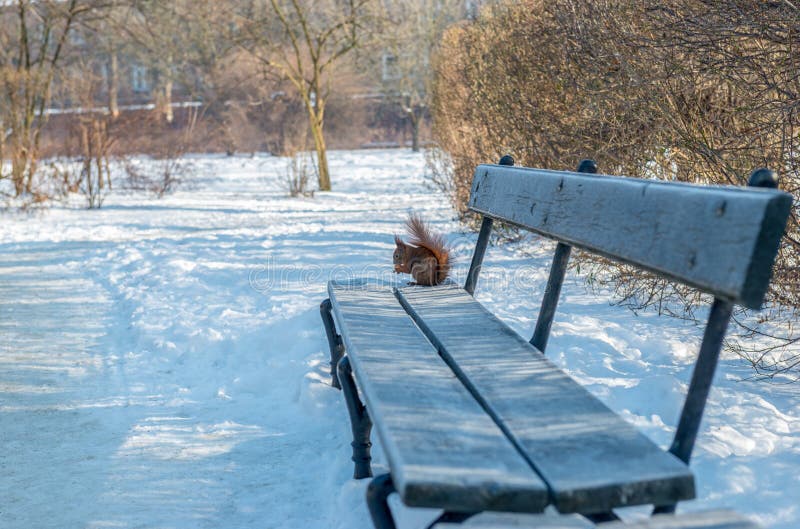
[591, 459]
[444, 450]
[692, 520]
[721, 240]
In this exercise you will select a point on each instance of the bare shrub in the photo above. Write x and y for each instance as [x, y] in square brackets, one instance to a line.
[541, 81]
[169, 173]
[95, 174]
[63, 174]
[234, 126]
[300, 170]
[166, 168]
[169, 168]
[440, 170]
[672, 90]
[91, 134]
[301, 166]
[33, 39]
[159, 176]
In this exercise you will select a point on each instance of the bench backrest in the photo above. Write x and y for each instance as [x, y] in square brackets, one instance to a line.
[721, 240]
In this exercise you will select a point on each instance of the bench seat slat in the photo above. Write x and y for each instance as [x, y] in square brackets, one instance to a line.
[444, 450]
[591, 459]
[721, 519]
[722, 240]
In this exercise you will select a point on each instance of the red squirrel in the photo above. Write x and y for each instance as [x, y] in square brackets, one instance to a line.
[426, 255]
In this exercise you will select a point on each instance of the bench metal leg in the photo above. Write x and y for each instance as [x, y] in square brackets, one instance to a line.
[452, 517]
[602, 517]
[360, 423]
[334, 341]
[378, 493]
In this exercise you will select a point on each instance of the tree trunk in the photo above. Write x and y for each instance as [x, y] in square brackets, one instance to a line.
[98, 154]
[414, 131]
[168, 114]
[25, 170]
[18, 165]
[86, 170]
[23, 162]
[323, 174]
[113, 86]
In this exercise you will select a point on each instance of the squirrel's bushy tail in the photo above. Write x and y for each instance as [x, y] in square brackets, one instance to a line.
[420, 235]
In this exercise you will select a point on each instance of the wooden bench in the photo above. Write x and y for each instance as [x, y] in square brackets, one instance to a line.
[472, 417]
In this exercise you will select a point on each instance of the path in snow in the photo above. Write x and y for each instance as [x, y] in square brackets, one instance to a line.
[163, 364]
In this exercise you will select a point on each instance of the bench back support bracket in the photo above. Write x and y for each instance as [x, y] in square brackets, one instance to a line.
[483, 242]
[702, 377]
[553, 289]
[551, 294]
[477, 256]
[699, 387]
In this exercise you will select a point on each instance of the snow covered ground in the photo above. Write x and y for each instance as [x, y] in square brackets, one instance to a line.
[163, 364]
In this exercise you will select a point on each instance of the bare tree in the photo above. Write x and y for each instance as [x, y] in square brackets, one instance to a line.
[79, 82]
[33, 38]
[157, 37]
[302, 41]
[410, 35]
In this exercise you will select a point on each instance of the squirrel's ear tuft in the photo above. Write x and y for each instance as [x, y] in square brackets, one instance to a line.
[398, 241]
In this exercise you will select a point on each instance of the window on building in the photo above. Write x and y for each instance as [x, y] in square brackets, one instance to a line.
[140, 79]
[390, 71]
